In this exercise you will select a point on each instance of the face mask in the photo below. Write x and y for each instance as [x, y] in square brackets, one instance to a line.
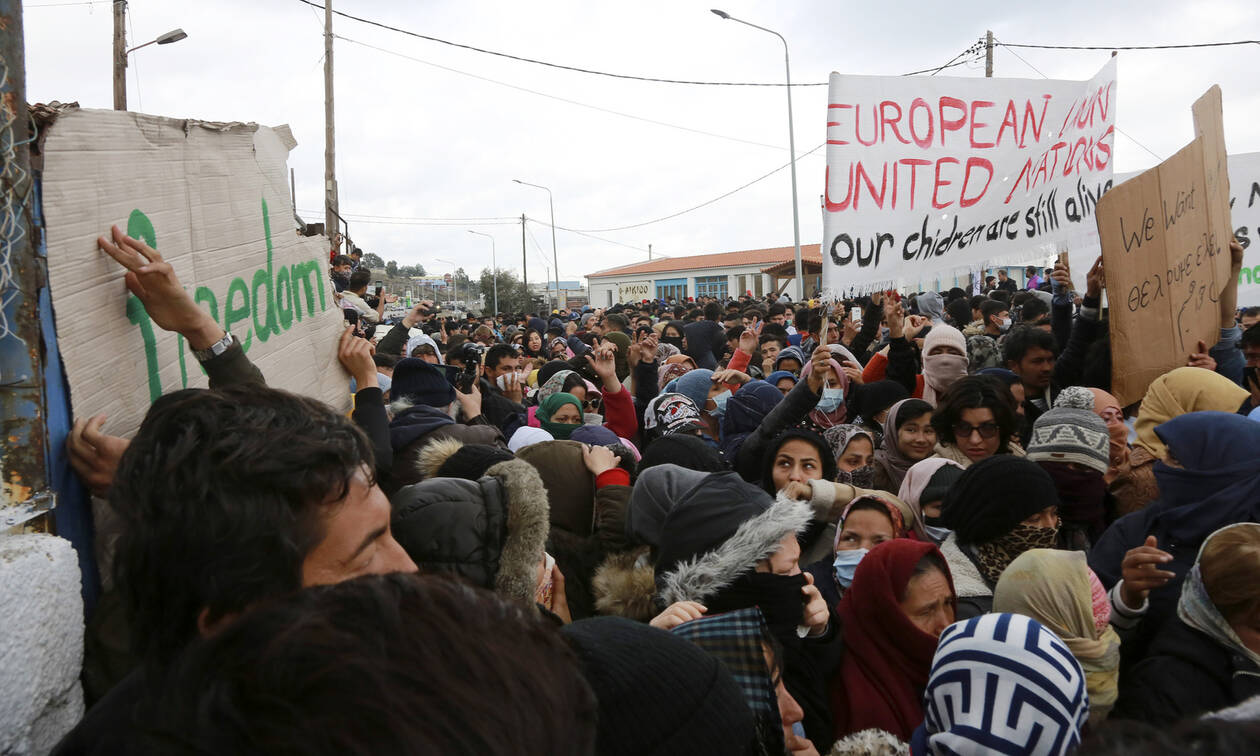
[1005, 325]
[778, 597]
[341, 278]
[938, 535]
[831, 400]
[384, 381]
[863, 477]
[674, 340]
[846, 564]
[720, 401]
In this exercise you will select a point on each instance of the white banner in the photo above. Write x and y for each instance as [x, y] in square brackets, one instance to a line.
[931, 176]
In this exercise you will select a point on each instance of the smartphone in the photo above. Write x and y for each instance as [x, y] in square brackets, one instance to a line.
[855, 314]
[380, 286]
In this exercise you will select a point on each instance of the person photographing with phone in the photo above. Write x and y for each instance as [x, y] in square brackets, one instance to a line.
[355, 298]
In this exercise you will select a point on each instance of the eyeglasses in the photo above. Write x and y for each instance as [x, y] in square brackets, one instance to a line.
[964, 430]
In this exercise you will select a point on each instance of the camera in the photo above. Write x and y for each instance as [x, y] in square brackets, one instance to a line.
[470, 354]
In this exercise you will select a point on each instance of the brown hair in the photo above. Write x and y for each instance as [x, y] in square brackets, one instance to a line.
[1228, 564]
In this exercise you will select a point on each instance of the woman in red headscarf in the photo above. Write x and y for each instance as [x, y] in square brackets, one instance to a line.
[901, 599]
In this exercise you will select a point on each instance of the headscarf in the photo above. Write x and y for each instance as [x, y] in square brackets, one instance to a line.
[423, 338]
[823, 419]
[745, 411]
[917, 479]
[665, 351]
[1196, 608]
[829, 470]
[790, 353]
[1010, 673]
[1053, 587]
[1118, 446]
[549, 407]
[735, 638]
[621, 361]
[886, 657]
[906, 522]
[940, 371]
[778, 375]
[559, 341]
[669, 371]
[889, 456]
[840, 436]
[554, 384]
[1186, 389]
[932, 306]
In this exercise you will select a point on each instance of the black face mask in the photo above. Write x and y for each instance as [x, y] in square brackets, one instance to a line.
[672, 340]
[778, 597]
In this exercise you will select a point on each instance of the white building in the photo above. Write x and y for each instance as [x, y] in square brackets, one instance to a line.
[726, 274]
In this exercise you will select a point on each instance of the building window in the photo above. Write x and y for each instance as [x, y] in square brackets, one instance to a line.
[711, 286]
[672, 289]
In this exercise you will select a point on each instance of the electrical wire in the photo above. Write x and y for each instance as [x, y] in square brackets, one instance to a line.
[1133, 47]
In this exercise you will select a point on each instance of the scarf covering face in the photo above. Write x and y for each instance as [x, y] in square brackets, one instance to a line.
[1053, 587]
[665, 351]
[777, 596]
[1178, 392]
[994, 557]
[889, 456]
[1082, 496]
[1002, 683]
[735, 638]
[1195, 607]
[549, 407]
[840, 436]
[886, 657]
[940, 371]
[1118, 446]
[822, 419]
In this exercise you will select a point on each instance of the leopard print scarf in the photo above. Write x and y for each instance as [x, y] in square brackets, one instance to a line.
[996, 555]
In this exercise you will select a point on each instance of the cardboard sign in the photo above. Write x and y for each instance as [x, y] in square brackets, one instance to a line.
[1244, 203]
[214, 200]
[634, 292]
[1164, 239]
[937, 176]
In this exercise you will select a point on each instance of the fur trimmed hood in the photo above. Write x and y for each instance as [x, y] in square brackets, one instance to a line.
[968, 583]
[756, 538]
[624, 585]
[434, 454]
[491, 531]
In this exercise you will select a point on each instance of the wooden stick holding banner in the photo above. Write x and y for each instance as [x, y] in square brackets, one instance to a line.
[1164, 235]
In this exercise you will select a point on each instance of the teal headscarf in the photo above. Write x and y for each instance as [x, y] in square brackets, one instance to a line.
[549, 407]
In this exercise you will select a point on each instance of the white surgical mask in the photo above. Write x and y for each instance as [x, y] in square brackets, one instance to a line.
[720, 401]
[831, 400]
[845, 565]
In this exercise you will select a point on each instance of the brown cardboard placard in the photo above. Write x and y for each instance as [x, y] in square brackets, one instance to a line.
[1161, 257]
[214, 200]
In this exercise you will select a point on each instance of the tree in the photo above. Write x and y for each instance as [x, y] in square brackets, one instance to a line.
[373, 260]
[391, 269]
[513, 296]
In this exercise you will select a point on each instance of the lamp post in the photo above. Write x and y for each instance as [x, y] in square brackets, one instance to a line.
[121, 52]
[494, 269]
[796, 223]
[454, 279]
[554, 261]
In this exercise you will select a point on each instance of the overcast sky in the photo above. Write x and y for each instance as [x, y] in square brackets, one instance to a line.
[415, 140]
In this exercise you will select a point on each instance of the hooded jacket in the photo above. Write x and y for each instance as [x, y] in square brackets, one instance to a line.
[491, 531]
[414, 426]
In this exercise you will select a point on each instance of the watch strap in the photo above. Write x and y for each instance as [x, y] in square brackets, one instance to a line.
[215, 349]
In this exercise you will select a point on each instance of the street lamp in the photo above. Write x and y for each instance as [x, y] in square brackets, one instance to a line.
[121, 52]
[454, 279]
[796, 223]
[494, 269]
[554, 260]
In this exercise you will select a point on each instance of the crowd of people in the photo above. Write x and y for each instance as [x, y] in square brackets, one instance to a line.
[888, 524]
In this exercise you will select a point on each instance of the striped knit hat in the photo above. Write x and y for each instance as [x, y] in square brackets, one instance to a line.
[1071, 432]
[1003, 683]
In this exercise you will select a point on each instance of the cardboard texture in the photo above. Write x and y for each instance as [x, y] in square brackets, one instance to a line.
[1163, 247]
[213, 199]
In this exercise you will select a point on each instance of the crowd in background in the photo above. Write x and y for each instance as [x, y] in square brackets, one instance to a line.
[886, 524]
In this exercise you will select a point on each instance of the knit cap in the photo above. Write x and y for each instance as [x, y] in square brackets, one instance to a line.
[422, 383]
[695, 384]
[1071, 432]
[941, 481]
[994, 495]
[657, 692]
[471, 461]
[945, 335]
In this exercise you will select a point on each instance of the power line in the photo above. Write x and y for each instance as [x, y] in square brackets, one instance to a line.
[1133, 47]
[762, 177]
[1038, 70]
[589, 236]
[561, 99]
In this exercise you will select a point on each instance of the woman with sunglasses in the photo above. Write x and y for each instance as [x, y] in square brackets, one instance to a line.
[975, 420]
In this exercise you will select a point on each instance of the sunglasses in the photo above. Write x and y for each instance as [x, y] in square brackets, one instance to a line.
[964, 430]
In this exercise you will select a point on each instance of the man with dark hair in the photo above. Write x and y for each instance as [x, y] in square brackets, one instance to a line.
[1005, 282]
[614, 322]
[1035, 312]
[706, 340]
[397, 664]
[342, 266]
[354, 297]
[982, 348]
[501, 360]
[777, 314]
[1249, 317]
[356, 256]
[1034, 280]
[1250, 346]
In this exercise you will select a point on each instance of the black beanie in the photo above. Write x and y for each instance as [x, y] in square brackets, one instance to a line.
[658, 693]
[422, 383]
[873, 398]
[939, 484]
[684, 450]
[994, 495]
[472, 461]
[551, 368]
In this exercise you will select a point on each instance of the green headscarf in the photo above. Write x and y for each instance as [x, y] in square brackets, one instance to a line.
[549, 407]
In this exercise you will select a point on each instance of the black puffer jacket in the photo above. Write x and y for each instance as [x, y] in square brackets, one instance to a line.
[1185, 674]
[491, 531]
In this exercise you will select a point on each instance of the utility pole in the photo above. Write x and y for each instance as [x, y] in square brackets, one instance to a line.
[120, 54]
[988, 54]
[331, 206]
[649, 253]
[525, 266]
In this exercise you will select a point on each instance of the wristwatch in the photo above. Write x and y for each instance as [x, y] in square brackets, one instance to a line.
[215, 349]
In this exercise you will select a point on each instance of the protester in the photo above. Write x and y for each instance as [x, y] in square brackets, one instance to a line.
[1014, 672]
[853, 448]
[909, 437]
[975, 420]
[901, 599]
[1071, 443]
[923, 490]
[1209, 652]
[1058, 590]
